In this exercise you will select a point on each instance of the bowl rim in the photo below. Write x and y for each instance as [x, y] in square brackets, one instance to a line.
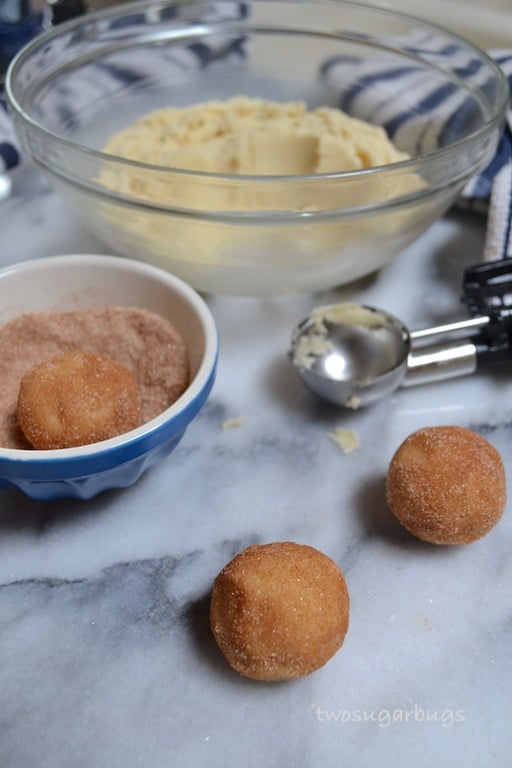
[188, 402]
[138, 6]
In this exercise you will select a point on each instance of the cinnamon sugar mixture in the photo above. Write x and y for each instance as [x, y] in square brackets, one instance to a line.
[144, 342]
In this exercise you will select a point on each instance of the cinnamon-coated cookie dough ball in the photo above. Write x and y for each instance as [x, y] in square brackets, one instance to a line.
[77, 398]
[446, 485]
[279, 611]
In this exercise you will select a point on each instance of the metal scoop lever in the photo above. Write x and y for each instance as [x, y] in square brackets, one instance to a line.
[353, 355]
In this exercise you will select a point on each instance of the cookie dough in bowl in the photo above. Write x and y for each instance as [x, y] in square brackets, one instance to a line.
[238, 214]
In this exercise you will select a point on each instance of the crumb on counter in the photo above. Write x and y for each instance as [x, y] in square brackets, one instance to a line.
[347, 440]
[233, 422]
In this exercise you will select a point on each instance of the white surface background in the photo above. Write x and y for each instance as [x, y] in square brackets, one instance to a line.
[487, 23]
[107, 657]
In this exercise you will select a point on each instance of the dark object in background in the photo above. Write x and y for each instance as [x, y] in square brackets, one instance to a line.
[20, 21]
[62, 10]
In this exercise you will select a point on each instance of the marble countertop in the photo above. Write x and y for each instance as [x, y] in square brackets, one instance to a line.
[107, 660]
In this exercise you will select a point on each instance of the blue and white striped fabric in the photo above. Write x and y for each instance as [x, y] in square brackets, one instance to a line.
[379, 91]
[491, 190]
[364, 88]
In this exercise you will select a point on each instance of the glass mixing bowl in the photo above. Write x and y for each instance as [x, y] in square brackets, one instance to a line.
[439, 98]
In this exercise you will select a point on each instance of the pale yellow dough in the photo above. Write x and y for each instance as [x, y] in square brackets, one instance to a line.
[255, 137]
[252, 137]
[347, 440]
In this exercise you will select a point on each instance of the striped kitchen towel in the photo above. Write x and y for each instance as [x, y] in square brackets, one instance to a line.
[379, 92]
[492, 189]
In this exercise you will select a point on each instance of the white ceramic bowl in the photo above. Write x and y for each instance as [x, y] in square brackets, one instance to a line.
[86, 281]
[439, 98]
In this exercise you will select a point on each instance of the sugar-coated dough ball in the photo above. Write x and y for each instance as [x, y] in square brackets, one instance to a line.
[279, 611]
[446, 485]
[77, 398]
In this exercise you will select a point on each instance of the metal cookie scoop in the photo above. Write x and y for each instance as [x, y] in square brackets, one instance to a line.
[353, 355]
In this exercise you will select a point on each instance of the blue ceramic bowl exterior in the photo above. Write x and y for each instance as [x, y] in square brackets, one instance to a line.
[85, 477]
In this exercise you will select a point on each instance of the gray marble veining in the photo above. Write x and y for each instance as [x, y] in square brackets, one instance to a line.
[107, 660]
